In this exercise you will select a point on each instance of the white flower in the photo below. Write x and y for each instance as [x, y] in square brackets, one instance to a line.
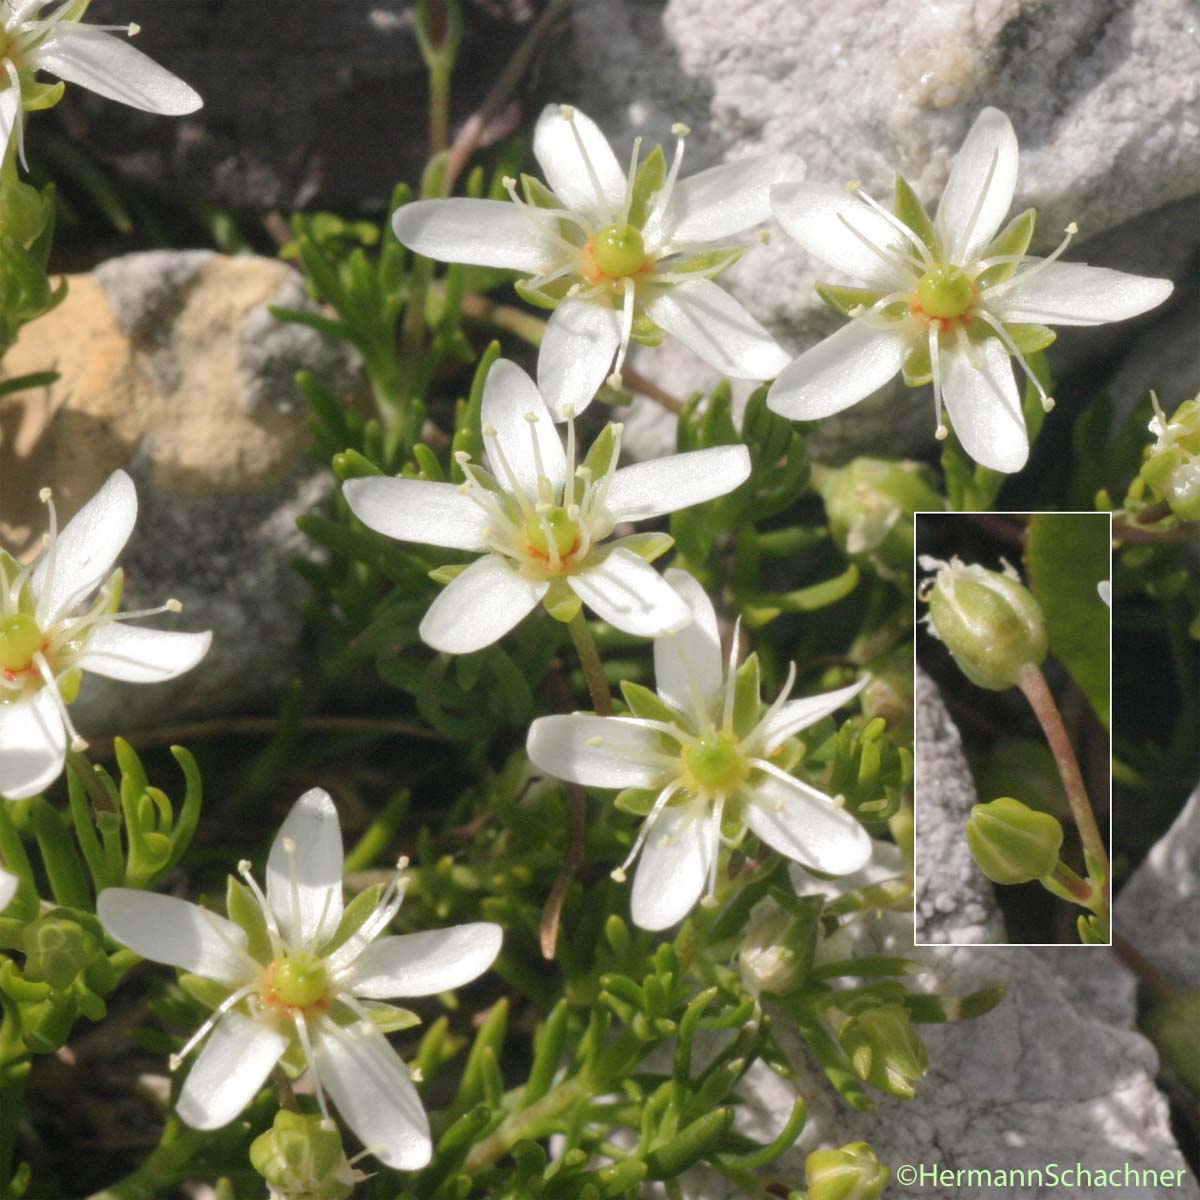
[48, 35]
[616, 254]
[8, 888]
[51, 632]
[299, 976]
[542, 523]
[948, 300]
[704, 764]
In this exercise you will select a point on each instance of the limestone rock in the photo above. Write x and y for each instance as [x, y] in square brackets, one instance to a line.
[171, 367]
[955, 903]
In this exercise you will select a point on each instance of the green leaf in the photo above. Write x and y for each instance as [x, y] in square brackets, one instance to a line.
[1067, 555]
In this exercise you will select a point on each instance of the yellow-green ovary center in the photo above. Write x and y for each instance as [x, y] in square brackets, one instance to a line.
[300, 981]
[20, 640]
[945, 293]
[553, 528]
[715, 764]
[619, 251]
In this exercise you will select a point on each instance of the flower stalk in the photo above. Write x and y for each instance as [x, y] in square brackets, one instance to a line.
[593, 667]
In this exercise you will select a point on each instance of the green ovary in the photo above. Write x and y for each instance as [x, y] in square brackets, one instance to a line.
[945, 293]
[619, 251]
[300, 981]
[715, 764]
[20, 640]
[555, 528]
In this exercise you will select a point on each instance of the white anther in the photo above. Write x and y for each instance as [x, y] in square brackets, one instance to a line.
[852, 185]
[462, 456]
[489, 430]
[134, 29]
[617, 875]
[568, 111]
[941, 433]
[679, 129]
[568, 411]
[44, 495]
[78, 744]
[1072, 229]
[175, 606]
[289, 845]
[1047, 403]
[531, 417]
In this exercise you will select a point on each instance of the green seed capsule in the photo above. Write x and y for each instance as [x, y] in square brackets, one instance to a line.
[852, 1173]
[1013, 843]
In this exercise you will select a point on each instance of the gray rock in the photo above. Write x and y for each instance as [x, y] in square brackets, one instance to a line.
[1158, 908]
[1101, 92]
[955, 903]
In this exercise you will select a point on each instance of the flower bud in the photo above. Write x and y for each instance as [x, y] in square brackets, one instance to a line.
[57, 949]
[852, 1173]
[870, 505]
[885, 1050]
[1171, 1025]
[1013, 843]
[777, 950]
[1172, 466]
[988, 620]
[301, 1158]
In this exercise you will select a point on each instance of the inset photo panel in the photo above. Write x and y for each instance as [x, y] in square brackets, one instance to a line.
[1013, 701]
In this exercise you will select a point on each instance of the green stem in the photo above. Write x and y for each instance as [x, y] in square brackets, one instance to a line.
[439, 109]
[1041, 700]
[162, 1168]
[593, 667]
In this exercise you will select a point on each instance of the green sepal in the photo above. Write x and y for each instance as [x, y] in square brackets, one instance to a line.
[645, 332]
[646, 704]
[843, 299]
[354, 916]
[1013, 239]
[245, 913]
[647, 546]
[912, 212]
[602, 454]
[206, 992]
[562, 603]
[445, 574]
[647, 183]
[68, 685]
[36, 97]
[1029, 339]
[918, 369]
[747, 696]
[537, 193]
[390, 1018]
[638, 801]
[549, 296]
[712, 262]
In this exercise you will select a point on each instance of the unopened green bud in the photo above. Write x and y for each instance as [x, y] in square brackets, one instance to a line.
[884, 1049]
[988, 620]
[777, 950]
[870, 505]
[1172, 466]
[889, 692]
[1171, 1025]
[1013, 843]
[852, 1173]
[301, 1158]
[23, 212]
[56, 950]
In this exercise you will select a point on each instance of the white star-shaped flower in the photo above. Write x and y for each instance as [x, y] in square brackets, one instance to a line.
[947, 301]
[542, 523]
[299, 976]
[705, 765]
[58, 619]
[617, 254]
[48, 35]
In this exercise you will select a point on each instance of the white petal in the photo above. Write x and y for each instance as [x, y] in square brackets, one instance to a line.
[304, 886]
[985, 406]
[10, 114]
[533, 448]
[87, 548]
[136, 654]
[33, 746]
[578, 163]
[725, 200]
[374, 1093]
[630, 595]
[576, 356]
[111, 67]
[1075, 294]
[417, 510]
[479, 606]
[712, 324]
[607, 752]
[423, 964]
[840, 230]
[980, 189]
[804, 824]
[664, 485]
[796, 715]
[840, 371]
[8, 888]
[178, 934]
[485, 233]
[228, 1072]
[674, 865]
[688, 670]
